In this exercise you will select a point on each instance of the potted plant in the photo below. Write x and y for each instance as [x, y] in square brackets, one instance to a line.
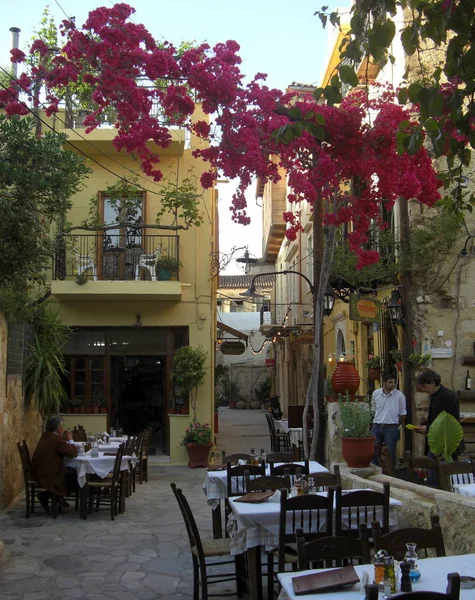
[373, 365]
[397, 357]
[166, 266]
[103, 404]
[67, 406]
[357, 443]
[76, 404]
[197, 440]
[420, 359]
[188, 374]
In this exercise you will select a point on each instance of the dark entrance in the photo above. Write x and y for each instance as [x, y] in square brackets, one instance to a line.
[139, 398]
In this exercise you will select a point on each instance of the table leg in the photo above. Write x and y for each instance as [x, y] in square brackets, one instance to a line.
[217, 522]
[253, 573]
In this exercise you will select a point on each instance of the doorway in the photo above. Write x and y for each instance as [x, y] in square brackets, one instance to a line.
[138, 397]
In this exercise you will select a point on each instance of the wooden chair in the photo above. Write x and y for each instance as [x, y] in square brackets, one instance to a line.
[453, 591]
[237, 476]
[384, 458]
[234, 458]
[79, 434]
[285, 457]
[142, 454]
[107, 491]
[354, 508]
[424, 470]
[201, 550]
[335, 551]
[395, 541]
[278, 440]
[311, 513]
[32, 486]
[325, 480]
[458, 472]
[266, 483]
[294, 470]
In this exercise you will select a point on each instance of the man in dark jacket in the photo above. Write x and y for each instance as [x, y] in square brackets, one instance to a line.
[441, 399]
[48, 466]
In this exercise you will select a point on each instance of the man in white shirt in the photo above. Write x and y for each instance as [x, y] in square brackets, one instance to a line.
[389, 406]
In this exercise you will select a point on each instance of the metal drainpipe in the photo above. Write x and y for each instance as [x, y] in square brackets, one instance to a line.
[15, 31]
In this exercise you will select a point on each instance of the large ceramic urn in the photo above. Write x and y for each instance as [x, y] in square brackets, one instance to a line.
[345, 378]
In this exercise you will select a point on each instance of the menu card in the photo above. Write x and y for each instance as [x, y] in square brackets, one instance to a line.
[325, 580]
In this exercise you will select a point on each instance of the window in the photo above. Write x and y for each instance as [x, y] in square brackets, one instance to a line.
[87, 379]
[237, 306]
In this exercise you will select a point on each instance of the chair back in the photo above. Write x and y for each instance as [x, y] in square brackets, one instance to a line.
[452, 593]
[25, 462]
[266, 483]
[354, 508]
[285, 457]
[385, 459]
[272, 432]
[130, 445]
[145, 442]
[79, 434]
[190, 523]
[236, 477]
[334, 551]
[292, 469]
[457, 472]
[117, 465]
[424, 470]
[312, 513]
[325, 480]
[235, 458]
[395, 542]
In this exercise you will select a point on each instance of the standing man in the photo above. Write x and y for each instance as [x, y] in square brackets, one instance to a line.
[48, 466]
[441, 399]
[389, 406]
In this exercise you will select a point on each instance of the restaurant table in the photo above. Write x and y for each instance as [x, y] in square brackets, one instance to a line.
[434, 573]
[101, 466]
[215, 485]
[295, 433]
[122, 439]
[253, 525]
[465, 489]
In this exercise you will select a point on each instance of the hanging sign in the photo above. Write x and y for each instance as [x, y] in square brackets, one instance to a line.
[235, 348]
[366, 310]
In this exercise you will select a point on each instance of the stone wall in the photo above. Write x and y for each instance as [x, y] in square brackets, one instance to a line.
[16, 424]
[248, 377]
[456, 512]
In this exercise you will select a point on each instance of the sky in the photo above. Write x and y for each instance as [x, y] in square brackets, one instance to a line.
[277, 37]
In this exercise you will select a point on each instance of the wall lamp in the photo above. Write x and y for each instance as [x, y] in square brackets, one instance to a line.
[394, 308]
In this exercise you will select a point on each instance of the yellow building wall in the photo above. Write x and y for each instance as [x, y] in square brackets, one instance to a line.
[197, 309]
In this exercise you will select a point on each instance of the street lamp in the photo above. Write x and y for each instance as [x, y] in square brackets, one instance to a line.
[394, 308]
[328, 300]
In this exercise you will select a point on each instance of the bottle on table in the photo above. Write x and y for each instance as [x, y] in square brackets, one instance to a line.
[254, 460]
[389, 575]
[263, 456]
[212, 460]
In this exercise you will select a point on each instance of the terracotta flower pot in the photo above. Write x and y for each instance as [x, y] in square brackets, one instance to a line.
[345, 378]
[172, 410]
[374, 373]
[399, 365]
[358, 452]
[198, 454]
[75, 410]
[95, 409]
[103, 410]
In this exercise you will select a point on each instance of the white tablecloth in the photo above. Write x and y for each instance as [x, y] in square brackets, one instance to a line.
[465, 489]
[434, 573]
[215, 485]
[121, 439]
[101, 466]
[252, 525]
[296, 433]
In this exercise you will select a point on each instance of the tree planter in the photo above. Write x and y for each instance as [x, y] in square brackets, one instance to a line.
[198, 454]
[358, 452]
[374, 373]
[345, 378]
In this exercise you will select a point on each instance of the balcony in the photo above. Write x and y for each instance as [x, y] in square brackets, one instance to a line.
[115, 266]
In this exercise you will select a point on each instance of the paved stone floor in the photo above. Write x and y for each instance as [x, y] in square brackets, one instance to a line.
[143, 554]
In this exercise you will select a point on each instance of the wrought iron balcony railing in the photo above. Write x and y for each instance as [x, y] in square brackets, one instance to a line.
[105, 256]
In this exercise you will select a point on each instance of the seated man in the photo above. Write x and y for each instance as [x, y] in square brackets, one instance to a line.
[47, 464]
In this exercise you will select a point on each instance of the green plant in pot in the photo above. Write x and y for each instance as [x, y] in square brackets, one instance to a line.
[373, 365]
[166, 266]
[396, 354]
[188, 373]
[356, 439]
[420, 359]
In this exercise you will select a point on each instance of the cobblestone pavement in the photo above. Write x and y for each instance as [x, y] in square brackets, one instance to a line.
[144, 554]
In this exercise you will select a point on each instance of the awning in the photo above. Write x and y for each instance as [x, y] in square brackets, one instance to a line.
[235, 332]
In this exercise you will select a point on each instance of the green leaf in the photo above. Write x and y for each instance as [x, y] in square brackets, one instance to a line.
[413, 92]
[384, 32]
[408, 40]
[320, 119]
[348, 75]
[295, 113]
[335, 81]
[402, 96]
[315, 130]
[444, 436]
